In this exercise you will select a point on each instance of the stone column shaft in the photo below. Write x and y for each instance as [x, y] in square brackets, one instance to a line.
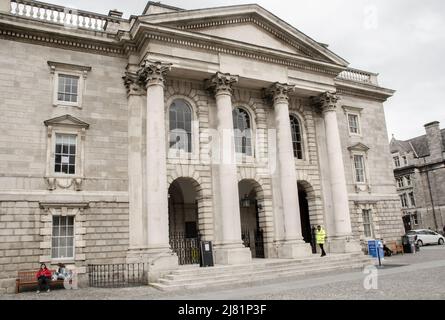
[342, 220]
[154, 223]
[156, 163]
[228, 176]
[229, 248]
[342, 240]
[135, 178]
[292, 245]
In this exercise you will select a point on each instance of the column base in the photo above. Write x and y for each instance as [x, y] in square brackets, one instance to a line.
[232, 254]
[159, 261]
[294, 249]
[343, 244]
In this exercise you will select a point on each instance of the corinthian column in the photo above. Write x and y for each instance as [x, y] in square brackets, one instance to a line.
[228, 244]
[341, 240]
[135, 93]
[156, 245]
[291, 245]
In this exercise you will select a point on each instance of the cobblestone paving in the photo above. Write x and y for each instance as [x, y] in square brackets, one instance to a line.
[410, 276]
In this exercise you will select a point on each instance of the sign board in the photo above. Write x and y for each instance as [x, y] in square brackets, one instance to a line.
[375, 249]
[206, 254]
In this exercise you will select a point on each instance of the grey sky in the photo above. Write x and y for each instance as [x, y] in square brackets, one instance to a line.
[403, 40]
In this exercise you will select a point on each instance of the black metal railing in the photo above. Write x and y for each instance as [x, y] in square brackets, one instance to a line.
[314, 240]
[187, 249]
[117, 275]
[255, 242]
[259, 244]
[245, 237]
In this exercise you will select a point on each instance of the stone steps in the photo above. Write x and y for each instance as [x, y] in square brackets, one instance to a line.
[266, 263]
[257, 272]
[254, 267]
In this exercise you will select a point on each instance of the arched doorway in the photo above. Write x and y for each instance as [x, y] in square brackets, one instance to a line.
[252, 232]
[307, 226]
[183, 220]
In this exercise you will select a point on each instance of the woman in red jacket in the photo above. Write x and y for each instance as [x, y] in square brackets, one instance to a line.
[43, 277]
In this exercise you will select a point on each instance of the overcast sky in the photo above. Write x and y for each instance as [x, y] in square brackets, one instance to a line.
[403, 40]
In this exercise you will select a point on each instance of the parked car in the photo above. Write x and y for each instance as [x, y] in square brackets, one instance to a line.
[425, 236]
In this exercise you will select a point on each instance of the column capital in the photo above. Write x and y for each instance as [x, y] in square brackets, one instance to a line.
[327, 101]
[221, 83]
[153, 72]
[133, 84]
[279, 92]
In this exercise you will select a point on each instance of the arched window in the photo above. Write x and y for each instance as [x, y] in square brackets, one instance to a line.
[180, 131]
[243, 131]
[297, 141]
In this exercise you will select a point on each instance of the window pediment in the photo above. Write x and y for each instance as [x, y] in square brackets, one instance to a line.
[66, 121]
[359, 147]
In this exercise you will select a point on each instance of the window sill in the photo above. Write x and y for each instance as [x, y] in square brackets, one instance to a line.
[63, 260]
[67, 104]
[181, 155]
[241, 159]
[355, 135]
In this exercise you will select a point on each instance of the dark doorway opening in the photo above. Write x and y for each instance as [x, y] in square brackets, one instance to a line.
[306, 230]
[251, 232]
[183, 221]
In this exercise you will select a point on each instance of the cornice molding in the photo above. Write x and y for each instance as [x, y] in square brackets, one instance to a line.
[361, 90]
[64, 41]
[363, 94]
[236, 51]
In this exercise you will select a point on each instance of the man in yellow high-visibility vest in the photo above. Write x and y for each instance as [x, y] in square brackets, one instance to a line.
[320, 237]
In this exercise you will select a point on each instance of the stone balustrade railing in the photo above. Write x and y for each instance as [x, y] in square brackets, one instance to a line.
[358, 76]
[68, 17]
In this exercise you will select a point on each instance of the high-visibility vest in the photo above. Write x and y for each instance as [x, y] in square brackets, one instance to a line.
[320, 236]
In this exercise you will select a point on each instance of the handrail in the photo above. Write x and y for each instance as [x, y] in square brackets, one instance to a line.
[68, 17]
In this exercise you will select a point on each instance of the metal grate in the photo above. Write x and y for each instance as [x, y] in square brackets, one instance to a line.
[117, 275]
[187, 249]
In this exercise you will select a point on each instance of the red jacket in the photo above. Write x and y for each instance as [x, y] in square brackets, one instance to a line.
[45, 272]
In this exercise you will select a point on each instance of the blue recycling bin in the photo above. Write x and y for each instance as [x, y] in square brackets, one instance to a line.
[375, 249]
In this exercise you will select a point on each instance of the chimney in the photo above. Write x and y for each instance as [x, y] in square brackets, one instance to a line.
[5, 6]
[115, 13]
[434, 139]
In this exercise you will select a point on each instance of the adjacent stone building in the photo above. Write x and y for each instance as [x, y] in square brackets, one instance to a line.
[121, 137]
[419, 169]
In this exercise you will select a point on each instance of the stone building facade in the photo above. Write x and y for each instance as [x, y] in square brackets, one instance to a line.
[118, 134]
[419, 170]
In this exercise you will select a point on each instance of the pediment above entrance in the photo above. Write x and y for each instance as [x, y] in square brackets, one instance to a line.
[248, 24]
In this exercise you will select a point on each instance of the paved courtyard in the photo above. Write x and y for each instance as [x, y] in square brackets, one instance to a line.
[410, 276]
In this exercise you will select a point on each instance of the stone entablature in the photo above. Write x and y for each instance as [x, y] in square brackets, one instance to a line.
[128, 39]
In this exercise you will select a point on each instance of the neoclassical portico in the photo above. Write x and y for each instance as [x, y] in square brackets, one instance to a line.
[149, 235]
